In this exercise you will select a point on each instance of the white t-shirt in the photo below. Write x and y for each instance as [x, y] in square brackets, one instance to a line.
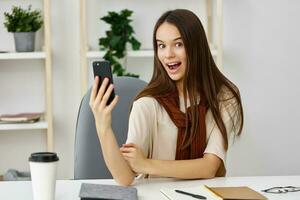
[151, 128]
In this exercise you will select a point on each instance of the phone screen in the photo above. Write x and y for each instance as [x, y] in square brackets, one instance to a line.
[102, 69]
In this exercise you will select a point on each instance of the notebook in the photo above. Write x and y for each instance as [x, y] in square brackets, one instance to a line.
[244, 193]
[213, 193]
[99, 191]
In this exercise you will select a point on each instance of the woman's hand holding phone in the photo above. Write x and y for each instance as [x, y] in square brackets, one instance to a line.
[98, 104]
[114, 160]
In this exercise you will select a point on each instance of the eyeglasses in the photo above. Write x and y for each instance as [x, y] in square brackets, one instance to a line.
[279, 190]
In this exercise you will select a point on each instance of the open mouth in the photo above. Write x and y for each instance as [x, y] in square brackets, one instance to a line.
[174, 65]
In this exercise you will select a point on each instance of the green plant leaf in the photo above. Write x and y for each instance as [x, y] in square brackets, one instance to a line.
[23, 20]
[126, 13]
[104, 42]
[135, 44]
[120, 33]
[114, 41]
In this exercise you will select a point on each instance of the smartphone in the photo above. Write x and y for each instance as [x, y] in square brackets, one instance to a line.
[102, 69]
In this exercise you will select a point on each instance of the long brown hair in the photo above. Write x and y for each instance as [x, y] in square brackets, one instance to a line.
[202, 76]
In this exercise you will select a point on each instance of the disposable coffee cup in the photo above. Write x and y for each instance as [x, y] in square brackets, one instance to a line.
[43, 175]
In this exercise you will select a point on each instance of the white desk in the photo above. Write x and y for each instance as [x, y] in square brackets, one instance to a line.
[149, 189]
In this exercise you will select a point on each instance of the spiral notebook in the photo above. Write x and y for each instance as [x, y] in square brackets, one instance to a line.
[213, 193]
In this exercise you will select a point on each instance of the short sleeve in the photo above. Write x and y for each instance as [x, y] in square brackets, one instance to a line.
[215, 141]
[142, 122]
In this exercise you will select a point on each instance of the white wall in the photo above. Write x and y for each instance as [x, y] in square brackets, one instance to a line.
[260, 46]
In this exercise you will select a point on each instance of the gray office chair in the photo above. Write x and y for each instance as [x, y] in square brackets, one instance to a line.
[89, 163]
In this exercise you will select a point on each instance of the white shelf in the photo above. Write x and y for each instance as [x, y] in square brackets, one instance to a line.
[133, 54]
[24, 126]
[95, 54]
[22, 55]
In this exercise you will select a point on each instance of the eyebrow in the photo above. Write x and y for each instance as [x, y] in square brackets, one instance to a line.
[178, 38]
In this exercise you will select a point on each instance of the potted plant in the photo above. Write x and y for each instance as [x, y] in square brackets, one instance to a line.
[23, 23]
[117, 38]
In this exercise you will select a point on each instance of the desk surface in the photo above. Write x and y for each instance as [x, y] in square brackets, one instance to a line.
[149, 188]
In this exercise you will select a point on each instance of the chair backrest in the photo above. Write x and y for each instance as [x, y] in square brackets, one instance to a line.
[89, 163]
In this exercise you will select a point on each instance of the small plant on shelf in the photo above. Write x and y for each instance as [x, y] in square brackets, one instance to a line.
[117, 37]
[23, 23]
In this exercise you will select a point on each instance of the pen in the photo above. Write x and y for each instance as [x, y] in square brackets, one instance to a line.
[197, 196]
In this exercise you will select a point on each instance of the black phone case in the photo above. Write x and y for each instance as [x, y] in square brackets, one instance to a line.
[102, 69]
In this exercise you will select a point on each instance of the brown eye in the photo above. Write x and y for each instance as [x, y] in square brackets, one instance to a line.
[179, 44]
[161, 46]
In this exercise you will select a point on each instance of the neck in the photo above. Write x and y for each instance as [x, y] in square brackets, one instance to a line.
[179, 86]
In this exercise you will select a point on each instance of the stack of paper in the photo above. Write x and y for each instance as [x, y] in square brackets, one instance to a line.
[20, 118]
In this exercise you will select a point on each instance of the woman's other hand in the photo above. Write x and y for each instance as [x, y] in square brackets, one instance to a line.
[98, 100]
[135, 157]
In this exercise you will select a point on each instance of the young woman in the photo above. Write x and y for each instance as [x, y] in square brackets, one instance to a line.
[180, 124]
